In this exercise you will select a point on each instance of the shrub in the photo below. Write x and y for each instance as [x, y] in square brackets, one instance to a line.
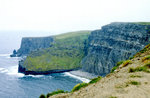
[147, 65]
[42, 96]
[125, 63]
[55, 92]
[134, 76]
[95, 80]
[137, 69]
[131, 58]
[146, 58]
[134, 83]
[115, 67]
[79, 86]
[147, 47]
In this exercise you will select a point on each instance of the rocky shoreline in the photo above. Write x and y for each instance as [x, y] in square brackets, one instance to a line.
[83, 74]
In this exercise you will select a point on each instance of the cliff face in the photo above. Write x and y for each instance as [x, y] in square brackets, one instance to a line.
[113, 43]
[29, 44]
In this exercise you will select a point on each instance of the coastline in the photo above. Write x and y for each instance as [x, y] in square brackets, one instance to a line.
[83, 74]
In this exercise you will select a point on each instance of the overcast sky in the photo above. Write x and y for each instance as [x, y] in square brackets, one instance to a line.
[19, 18]
[69, 15]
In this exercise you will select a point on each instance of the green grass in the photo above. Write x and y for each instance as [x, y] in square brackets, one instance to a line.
[115, 67]
[55, 92]
[134, 82]
[66, 53]
[95, 80]
[138, 69]
[146, 48]
[146, 58]
[79, 86]
[126, 63]
[142, 23]
[135, 76]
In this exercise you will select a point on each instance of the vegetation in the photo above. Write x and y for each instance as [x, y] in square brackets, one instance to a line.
[55, 92]
[137, 69]
[42, 96]
[125, 63]
[143, 23]
[95, 80]
[115, 67]
[65, 53]
[134, 82]
[147, 65]
[79, 86]
[146, 58]
[146, 48]
[75, 88]
[135, 76]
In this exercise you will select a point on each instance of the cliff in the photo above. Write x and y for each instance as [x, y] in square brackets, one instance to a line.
[65, 54]
[113, 43]
[29, 44]
[129, 80]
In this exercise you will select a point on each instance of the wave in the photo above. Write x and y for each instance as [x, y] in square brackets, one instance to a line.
[3, 70]
[5, 54]
[77, 77]
[14, 71]
[35, 76]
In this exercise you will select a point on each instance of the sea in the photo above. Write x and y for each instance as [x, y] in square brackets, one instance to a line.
[18, 85]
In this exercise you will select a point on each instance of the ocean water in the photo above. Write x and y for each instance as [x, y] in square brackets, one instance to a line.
[17, 85]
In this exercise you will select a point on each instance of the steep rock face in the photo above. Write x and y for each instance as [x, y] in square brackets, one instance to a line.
[113, 43]
[29, 44]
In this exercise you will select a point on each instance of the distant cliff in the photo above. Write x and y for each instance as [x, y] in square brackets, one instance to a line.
[113, 43]
[29, 44]
[65, 54]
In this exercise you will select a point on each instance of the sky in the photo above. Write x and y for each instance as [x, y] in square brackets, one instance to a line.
[69, 15]
[19, 18]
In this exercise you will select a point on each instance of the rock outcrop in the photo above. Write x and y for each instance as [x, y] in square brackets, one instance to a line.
[113, 43]
[29, 44]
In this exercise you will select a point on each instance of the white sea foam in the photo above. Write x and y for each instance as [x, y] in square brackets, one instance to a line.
[35, 76]
[77, 77]
[3, 70]
[14, 71]
[5, 54]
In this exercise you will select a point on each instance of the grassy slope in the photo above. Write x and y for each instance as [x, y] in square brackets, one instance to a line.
[143, 23]
[122, 83]
[66, 53]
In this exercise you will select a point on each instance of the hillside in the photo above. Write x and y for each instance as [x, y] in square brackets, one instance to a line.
[65, 53]
[131, 79]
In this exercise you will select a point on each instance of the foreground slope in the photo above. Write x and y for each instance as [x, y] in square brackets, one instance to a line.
[130, 80]
[65, 53]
